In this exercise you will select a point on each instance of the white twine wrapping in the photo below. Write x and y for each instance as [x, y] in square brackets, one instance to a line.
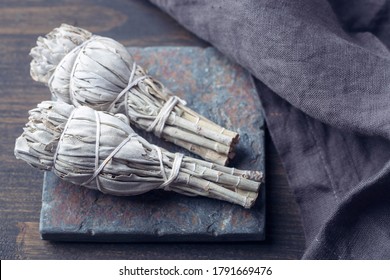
[174, 171]
[157, 126]
[61, 137]
[131, 84]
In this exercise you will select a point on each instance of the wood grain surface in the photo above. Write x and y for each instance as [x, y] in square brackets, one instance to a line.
[133, 23]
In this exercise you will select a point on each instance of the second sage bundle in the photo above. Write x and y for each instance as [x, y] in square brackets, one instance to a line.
[101, 151]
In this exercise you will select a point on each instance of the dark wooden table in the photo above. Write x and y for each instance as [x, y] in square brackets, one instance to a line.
[135, 23]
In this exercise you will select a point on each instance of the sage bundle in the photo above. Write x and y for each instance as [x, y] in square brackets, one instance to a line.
[100, 151]
[99, 72]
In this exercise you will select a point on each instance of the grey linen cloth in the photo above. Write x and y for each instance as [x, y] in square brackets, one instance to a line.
[323, 70]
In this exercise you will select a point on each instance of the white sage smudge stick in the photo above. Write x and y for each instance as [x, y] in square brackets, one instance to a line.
[100, 151]
[99, 72]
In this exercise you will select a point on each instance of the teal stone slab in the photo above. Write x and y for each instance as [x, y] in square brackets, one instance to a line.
[221, 91]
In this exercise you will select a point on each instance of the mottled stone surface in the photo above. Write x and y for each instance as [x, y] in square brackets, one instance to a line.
[219, 90]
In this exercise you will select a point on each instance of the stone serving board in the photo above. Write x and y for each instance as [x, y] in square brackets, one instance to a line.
[216, 88]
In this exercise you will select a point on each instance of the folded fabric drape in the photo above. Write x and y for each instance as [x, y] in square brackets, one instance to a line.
[323, 70]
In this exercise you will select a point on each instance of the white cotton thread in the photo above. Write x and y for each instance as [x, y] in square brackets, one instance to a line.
[99, 168]
[97, 144]
[238, 182]
[218, 175]
[157, 126]
[207, 188]
[61, 138]
[174, 171]
[160, 158]
[130, 84]
[81, 47]
[108, 158]
[178, 159]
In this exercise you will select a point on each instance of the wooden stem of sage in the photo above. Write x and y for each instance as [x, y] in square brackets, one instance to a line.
[85, 69]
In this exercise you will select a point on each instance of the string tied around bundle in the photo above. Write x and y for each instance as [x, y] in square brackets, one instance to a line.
[158, 124]
[174, 171]
[132, 83]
